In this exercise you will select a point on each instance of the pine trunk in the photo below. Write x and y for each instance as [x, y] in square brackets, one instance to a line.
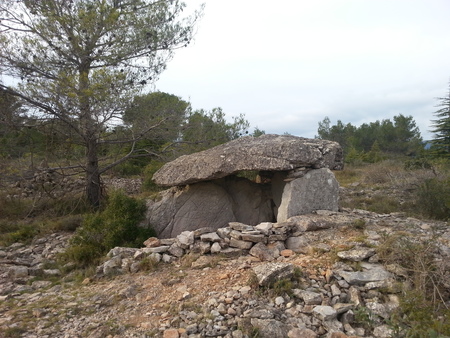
[93, 182]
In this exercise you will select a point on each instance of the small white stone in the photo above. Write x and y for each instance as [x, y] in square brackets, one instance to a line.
[279, 301]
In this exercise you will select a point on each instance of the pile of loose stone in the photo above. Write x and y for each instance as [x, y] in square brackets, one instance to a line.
[20, 263]
[353, 296]
[266, 241]
[50, 183]
[325, 304]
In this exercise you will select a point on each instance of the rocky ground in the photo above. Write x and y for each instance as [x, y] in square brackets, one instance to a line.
[333, 285]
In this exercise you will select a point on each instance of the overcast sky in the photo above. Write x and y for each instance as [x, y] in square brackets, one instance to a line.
[287, 64]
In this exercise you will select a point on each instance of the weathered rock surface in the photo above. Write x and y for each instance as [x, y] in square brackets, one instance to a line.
[210, 204]
[264, 153]
[269, 273]
[370, 273]
[295, 180]
[215, 203]
[316, 190]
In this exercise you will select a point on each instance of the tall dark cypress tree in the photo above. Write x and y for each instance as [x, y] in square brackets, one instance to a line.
[441, 128]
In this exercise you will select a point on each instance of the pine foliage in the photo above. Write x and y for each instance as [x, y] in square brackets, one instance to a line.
[441, 129]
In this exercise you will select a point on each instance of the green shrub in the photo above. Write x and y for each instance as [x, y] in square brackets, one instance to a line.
[14, 332]
[247, 328]
[117, 225]
[283, 286]
[359, 223]
[127, 169]
[66, 223]
[148, 184]
[364, 317]
[71, 203]
[250, 175]
[84, 254]
[148, 264]
[374, 155]
[22, 233]
[13, 208]
[354, 157]
[417, 163]
[280, 287]
[17, 208]
[433, 198]
[350, 174]
[417, 317]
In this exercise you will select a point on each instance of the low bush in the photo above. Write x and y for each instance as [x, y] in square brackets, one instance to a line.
[423, 310]
[116, 225]
[69, 204]
[13, 208]
[148, 264]
[364, 318]
[280, 287]
[433, 198]
[359, 224]
[418, 163]
[16, 208]
[350, 174]
[417, 187]
[17, 232]
[65, 223]
[418, 317]
[148, 184]
[127, 169]
[377, 203]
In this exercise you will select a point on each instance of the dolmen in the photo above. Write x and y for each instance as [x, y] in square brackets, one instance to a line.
[289, 176]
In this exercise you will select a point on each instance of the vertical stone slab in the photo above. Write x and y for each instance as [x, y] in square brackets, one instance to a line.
[193, 207]
[317, 190]
[277, 187]
[210, 204]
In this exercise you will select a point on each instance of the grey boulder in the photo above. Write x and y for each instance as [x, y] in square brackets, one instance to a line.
[316, 190]
[209, 204]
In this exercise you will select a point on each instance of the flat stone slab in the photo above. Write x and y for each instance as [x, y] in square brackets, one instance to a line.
[357, 255]
[269, 273]
[370, 273]
[264, 153]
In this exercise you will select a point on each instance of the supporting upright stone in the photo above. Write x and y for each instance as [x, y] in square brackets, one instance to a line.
[317, 190]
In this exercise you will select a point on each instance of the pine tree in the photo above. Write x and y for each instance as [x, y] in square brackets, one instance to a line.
[81, 63]
[441, 129]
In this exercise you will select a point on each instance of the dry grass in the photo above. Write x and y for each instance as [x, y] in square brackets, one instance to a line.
[424, 310]
[389, 186]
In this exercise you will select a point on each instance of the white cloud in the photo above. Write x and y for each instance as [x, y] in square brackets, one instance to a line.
[288, 64]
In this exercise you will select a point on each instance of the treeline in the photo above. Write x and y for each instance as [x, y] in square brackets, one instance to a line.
[371, 142]
[176, 129]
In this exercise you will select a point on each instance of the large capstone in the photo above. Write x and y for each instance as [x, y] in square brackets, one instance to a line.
[264, 153]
